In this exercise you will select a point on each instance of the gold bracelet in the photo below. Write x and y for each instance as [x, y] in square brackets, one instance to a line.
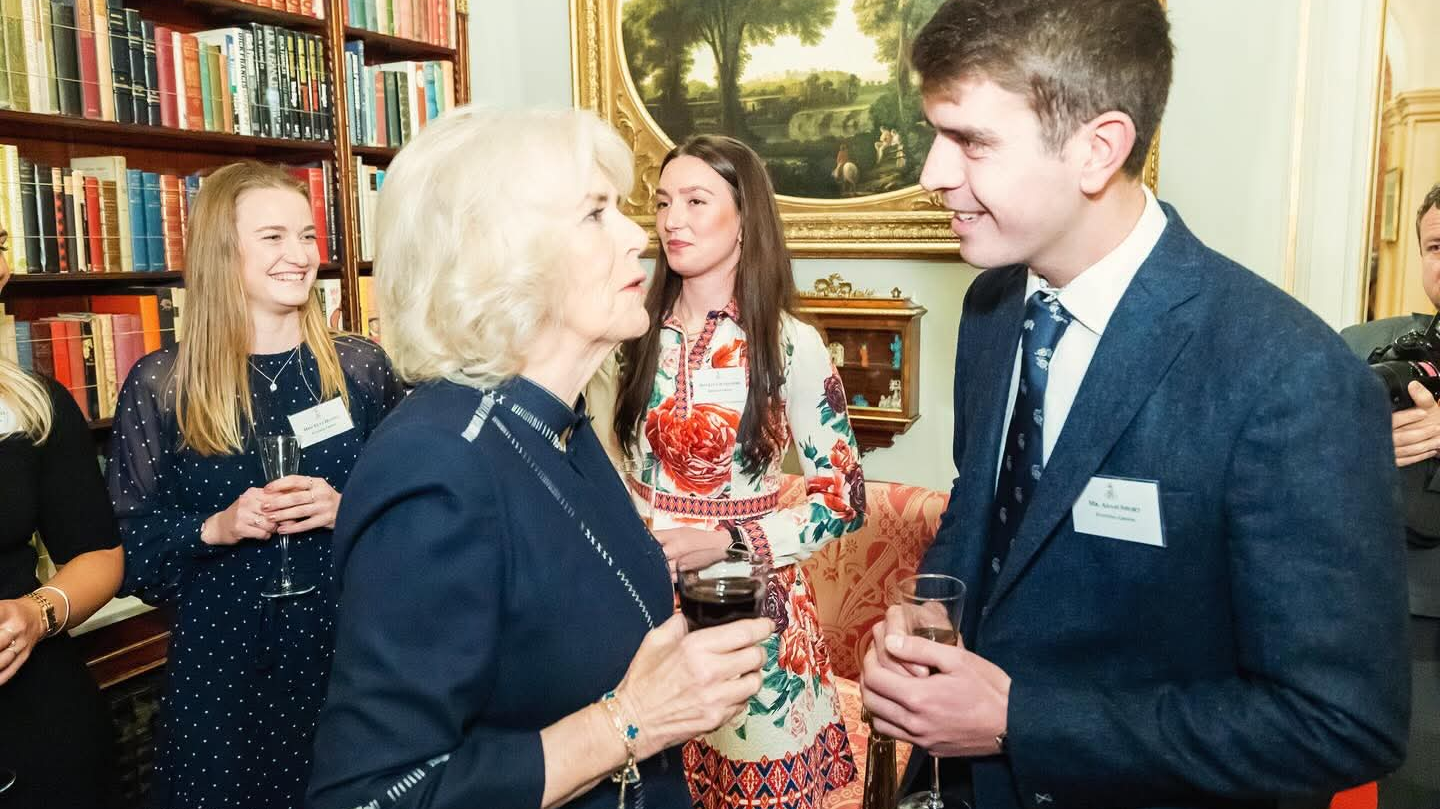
[47, 611]
[629, 732]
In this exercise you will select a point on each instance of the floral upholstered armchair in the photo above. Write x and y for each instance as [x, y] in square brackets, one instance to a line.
[851, 577]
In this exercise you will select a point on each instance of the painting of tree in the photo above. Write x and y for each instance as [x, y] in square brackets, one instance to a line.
[822, 89]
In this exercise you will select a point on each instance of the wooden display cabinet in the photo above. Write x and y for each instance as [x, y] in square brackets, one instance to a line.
[874, 343]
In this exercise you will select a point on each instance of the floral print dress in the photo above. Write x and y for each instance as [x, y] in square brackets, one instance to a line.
[791, 748]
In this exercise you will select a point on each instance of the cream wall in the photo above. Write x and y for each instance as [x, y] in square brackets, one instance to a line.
[1244, 176]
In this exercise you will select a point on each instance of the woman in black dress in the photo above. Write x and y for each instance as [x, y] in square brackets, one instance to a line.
[246, 673]
[57, 739]
[502, 636]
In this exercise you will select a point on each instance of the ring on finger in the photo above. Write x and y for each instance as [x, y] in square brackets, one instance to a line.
[255, 521]
[14, 646]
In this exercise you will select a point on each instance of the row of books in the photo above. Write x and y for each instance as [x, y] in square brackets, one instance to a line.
[391, 101]
[431, 21]
[98, 215]
[88, 343]
[309, 8]
[91, 59]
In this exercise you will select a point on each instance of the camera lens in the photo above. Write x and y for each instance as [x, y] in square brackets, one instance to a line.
[1397, 376]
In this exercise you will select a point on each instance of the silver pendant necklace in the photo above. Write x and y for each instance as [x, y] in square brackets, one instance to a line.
[274, 386]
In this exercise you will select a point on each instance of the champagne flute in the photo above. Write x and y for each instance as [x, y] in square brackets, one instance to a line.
[932, 604]
[280, 456]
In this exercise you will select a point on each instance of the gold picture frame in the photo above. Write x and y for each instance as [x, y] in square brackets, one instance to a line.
[1390, 206]
[905, 222]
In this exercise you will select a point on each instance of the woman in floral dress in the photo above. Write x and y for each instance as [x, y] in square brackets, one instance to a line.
[708, 403]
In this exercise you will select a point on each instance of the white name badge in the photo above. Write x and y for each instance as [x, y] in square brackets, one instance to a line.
[8, 422]
[321, 422]
[1121, 508]
[718, 386]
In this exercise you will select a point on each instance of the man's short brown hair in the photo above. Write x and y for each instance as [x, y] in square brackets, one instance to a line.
[1431, 202]
[1072, 59]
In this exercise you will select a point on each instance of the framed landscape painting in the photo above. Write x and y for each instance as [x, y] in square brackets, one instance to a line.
[821, 89]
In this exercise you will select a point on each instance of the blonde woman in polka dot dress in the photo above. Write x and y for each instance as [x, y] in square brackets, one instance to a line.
[246, 674]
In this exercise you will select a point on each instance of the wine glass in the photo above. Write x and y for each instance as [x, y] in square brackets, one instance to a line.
[280, 455]
[932, 604]
[730, 590]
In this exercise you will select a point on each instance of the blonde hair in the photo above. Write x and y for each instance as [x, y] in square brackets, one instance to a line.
[212, 381]
[469, 264]
[28, 399]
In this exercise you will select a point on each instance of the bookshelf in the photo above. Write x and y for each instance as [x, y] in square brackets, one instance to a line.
[56, 139]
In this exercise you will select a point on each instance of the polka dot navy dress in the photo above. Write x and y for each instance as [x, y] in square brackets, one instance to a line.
[246, 675]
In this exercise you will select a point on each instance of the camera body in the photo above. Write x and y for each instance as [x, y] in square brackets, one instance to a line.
[1413, 357]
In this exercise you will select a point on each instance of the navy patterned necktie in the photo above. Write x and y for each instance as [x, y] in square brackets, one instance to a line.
[1024, 456]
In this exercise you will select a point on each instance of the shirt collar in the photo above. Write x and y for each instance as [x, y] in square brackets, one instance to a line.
[540, 408]
[731, 310]
[1092, 296]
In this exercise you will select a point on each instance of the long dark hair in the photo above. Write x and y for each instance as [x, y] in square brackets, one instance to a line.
[764, 291]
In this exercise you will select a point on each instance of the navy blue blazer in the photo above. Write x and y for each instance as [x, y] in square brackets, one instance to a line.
[473, 610]
[1260, 653]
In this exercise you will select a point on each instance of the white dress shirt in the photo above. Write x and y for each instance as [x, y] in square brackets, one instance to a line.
[1090, 299]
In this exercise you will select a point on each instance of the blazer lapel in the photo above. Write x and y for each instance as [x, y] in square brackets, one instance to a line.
[1139, 345]
[988, 377]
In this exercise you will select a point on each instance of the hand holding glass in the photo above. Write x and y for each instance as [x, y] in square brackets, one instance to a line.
[280, 456]
[932, 605]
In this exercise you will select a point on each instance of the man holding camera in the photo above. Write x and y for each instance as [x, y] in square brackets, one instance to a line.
[1416, 431]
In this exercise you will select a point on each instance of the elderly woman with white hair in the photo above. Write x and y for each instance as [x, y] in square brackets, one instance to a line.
[505, 635]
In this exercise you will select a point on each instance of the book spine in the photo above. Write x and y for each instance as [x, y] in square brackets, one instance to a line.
[171, 222]
[165, 76]
[135, 43]
[244, 75]
[85, 47]
[9, 193]
[15, 61]
[67, 57]
[292, 78]
[94, 226]
[45, 206]
[135, 198]
[207, 90]
[67, 223]
[177, 59]
[274, 111]
[306, 104]
[259, 100]
[45, 45]
[100, 17]
[150, 48]
[75, 200]
[57, 204]
[194, 93]
[120, 67]
[154, 224]
[115, 240]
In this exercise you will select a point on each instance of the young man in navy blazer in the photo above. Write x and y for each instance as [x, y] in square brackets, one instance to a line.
[1174, 503]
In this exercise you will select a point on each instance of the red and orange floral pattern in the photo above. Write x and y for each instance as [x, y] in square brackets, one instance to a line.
[695, 448]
